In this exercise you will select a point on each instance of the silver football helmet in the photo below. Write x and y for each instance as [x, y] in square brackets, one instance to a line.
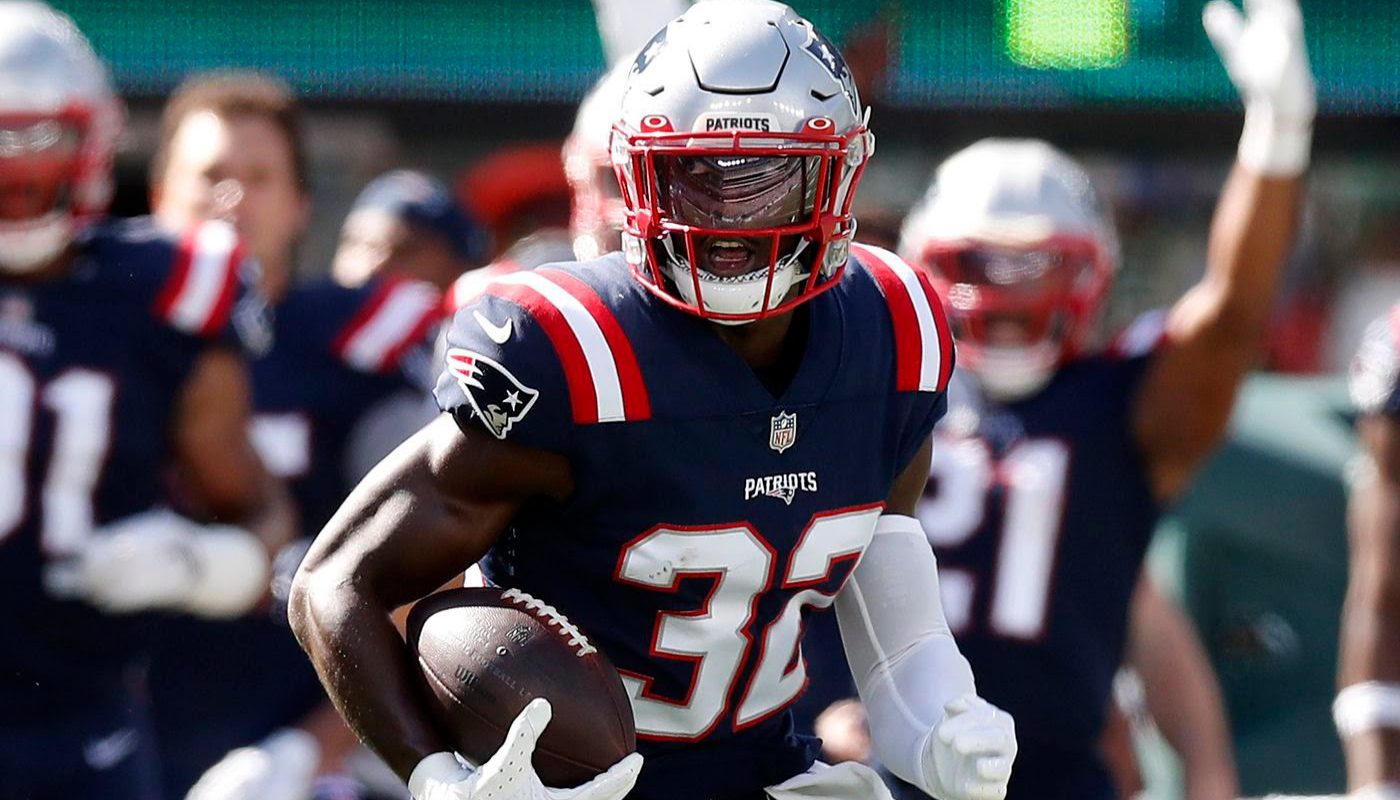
[59, 122]
[739, 147]
[1013, 236]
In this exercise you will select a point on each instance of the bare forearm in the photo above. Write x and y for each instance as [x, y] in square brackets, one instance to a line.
[1217, 329]
[367, 672]
[1371, 618]
[403, 532]
[1182, 694]
[1251, 235]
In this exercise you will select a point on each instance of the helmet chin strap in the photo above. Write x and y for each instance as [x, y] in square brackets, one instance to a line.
[713, 286]
[1008, 374]
[31, 245]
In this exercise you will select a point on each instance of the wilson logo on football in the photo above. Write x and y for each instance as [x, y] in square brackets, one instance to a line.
[497, 397]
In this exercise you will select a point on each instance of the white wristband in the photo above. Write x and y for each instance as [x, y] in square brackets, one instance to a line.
[1367, 706]
[232, 572]
[1275, 147]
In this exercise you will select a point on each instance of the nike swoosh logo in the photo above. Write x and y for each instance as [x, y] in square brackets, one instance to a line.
[496, 333]
[108, 751]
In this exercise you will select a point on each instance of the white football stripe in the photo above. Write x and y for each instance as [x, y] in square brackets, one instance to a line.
[370, 345]
[928, 329]
[590, 338]
[209, 266]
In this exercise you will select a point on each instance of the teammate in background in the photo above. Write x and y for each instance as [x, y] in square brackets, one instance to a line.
[596, 210]
[1179, 694]
[1367, 709]
[231, 148]
[119, 361]
[1054, 459]
[406, 224]
[691, 436]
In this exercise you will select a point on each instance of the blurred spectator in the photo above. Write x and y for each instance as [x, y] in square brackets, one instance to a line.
[405, 223]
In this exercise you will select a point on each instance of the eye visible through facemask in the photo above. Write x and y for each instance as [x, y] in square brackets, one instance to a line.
[737, 192]
[38, 162]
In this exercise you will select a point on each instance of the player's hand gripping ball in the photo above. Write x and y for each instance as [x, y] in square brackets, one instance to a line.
[488, 653]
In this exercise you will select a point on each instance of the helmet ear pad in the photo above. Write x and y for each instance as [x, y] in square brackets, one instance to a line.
[787, 103]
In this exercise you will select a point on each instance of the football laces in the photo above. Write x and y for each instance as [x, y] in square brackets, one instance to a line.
[552, 618]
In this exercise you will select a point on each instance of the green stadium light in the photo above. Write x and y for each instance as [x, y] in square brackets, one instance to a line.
[1067, 34]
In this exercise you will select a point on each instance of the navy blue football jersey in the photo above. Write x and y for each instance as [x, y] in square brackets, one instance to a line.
[1375, 371]
[1040, 513]
[92, 364]
[338, 353]
[709, 518]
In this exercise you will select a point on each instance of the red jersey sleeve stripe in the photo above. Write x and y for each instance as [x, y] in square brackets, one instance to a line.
[387, 325]
[583, 400]
[945, 331]
[592, 342]
[635, 399]
[179, 276]
[203, 279]
[224, 307]
[908, 349]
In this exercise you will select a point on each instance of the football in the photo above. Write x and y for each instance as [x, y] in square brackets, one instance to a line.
[488, 652]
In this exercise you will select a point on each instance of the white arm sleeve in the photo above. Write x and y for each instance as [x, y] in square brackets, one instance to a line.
[902, 655]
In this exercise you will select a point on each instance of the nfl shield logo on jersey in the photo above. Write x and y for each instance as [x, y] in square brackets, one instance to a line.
[782, 432]
[499, 399]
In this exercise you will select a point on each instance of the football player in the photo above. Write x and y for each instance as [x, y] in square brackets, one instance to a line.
[1056, 459]
[120, 361]
[687, 447]
[405, 223]
[1367, 709]
[231, 148]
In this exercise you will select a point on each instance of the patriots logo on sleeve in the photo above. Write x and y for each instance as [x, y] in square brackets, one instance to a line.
[497, 397]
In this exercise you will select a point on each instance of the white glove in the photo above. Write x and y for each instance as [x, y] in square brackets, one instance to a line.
[1267, 60]
[969, 753]
[508, 775]
[281, 767]
[159, 560]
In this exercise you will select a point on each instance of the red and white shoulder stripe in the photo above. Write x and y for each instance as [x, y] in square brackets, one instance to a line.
[199, 294]
[601, 369]
[398, 315]
[470, 285]
[923, 342]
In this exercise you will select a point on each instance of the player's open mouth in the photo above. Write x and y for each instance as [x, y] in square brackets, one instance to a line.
[729, 258]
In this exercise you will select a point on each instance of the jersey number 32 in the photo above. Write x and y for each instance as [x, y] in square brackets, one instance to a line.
[719, 636]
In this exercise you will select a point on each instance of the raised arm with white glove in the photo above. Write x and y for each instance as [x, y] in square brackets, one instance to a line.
[509, 775]
[1264, 53]
[159, 560]
[927, 724]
